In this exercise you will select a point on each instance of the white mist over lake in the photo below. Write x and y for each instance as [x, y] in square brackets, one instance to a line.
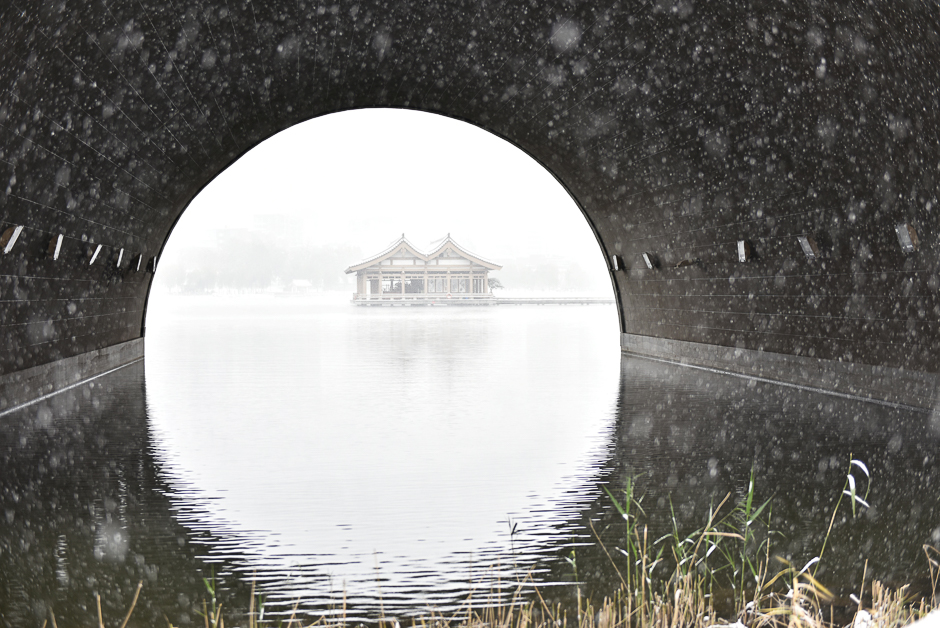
[360, 179]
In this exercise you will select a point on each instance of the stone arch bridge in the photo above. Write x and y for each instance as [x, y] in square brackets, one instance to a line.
[761, 176]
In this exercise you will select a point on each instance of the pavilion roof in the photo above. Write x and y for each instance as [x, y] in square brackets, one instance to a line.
[402, 244]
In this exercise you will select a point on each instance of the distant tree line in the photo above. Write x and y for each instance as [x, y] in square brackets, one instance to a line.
[249, 260]
[542, 272]
[252, 262]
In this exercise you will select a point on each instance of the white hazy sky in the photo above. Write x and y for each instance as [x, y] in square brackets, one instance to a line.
[363, 177]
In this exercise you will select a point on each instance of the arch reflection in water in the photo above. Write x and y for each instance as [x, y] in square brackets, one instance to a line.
[101, 491]
[392, 444]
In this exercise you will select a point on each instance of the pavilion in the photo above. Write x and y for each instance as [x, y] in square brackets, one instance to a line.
[404, 275]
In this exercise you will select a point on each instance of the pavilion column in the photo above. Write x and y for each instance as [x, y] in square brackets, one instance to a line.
[403, 282]
[425, 279]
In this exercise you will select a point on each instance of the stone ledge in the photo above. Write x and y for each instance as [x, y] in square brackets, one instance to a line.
[28, 385]
[876, 383]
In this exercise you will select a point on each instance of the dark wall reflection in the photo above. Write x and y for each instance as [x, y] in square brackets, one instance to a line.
[689, 437]
[85, 513]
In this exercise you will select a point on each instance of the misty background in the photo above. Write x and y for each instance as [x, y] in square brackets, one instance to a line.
[296, 211]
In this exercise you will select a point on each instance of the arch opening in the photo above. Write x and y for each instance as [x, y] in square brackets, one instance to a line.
[454, 415]
[354, 181]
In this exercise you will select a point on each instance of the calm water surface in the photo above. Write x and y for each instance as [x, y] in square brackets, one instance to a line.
[352, 444]
[408, 458]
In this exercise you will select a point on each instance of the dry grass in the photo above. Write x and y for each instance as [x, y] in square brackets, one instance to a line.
[789, 599]
[674, 607]
[680, 602]
[731, 552]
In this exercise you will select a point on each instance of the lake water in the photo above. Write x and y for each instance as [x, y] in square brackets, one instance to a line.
[360, 443]
[405, 459]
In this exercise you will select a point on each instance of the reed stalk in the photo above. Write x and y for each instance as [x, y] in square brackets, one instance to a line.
[733, 548]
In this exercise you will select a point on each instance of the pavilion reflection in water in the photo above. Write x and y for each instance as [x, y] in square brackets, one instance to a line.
[403, 275]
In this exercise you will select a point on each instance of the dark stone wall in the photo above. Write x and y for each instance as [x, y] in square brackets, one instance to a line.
[678, 127]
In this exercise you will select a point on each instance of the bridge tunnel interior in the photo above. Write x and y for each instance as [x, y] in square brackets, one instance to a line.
[760, 178]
